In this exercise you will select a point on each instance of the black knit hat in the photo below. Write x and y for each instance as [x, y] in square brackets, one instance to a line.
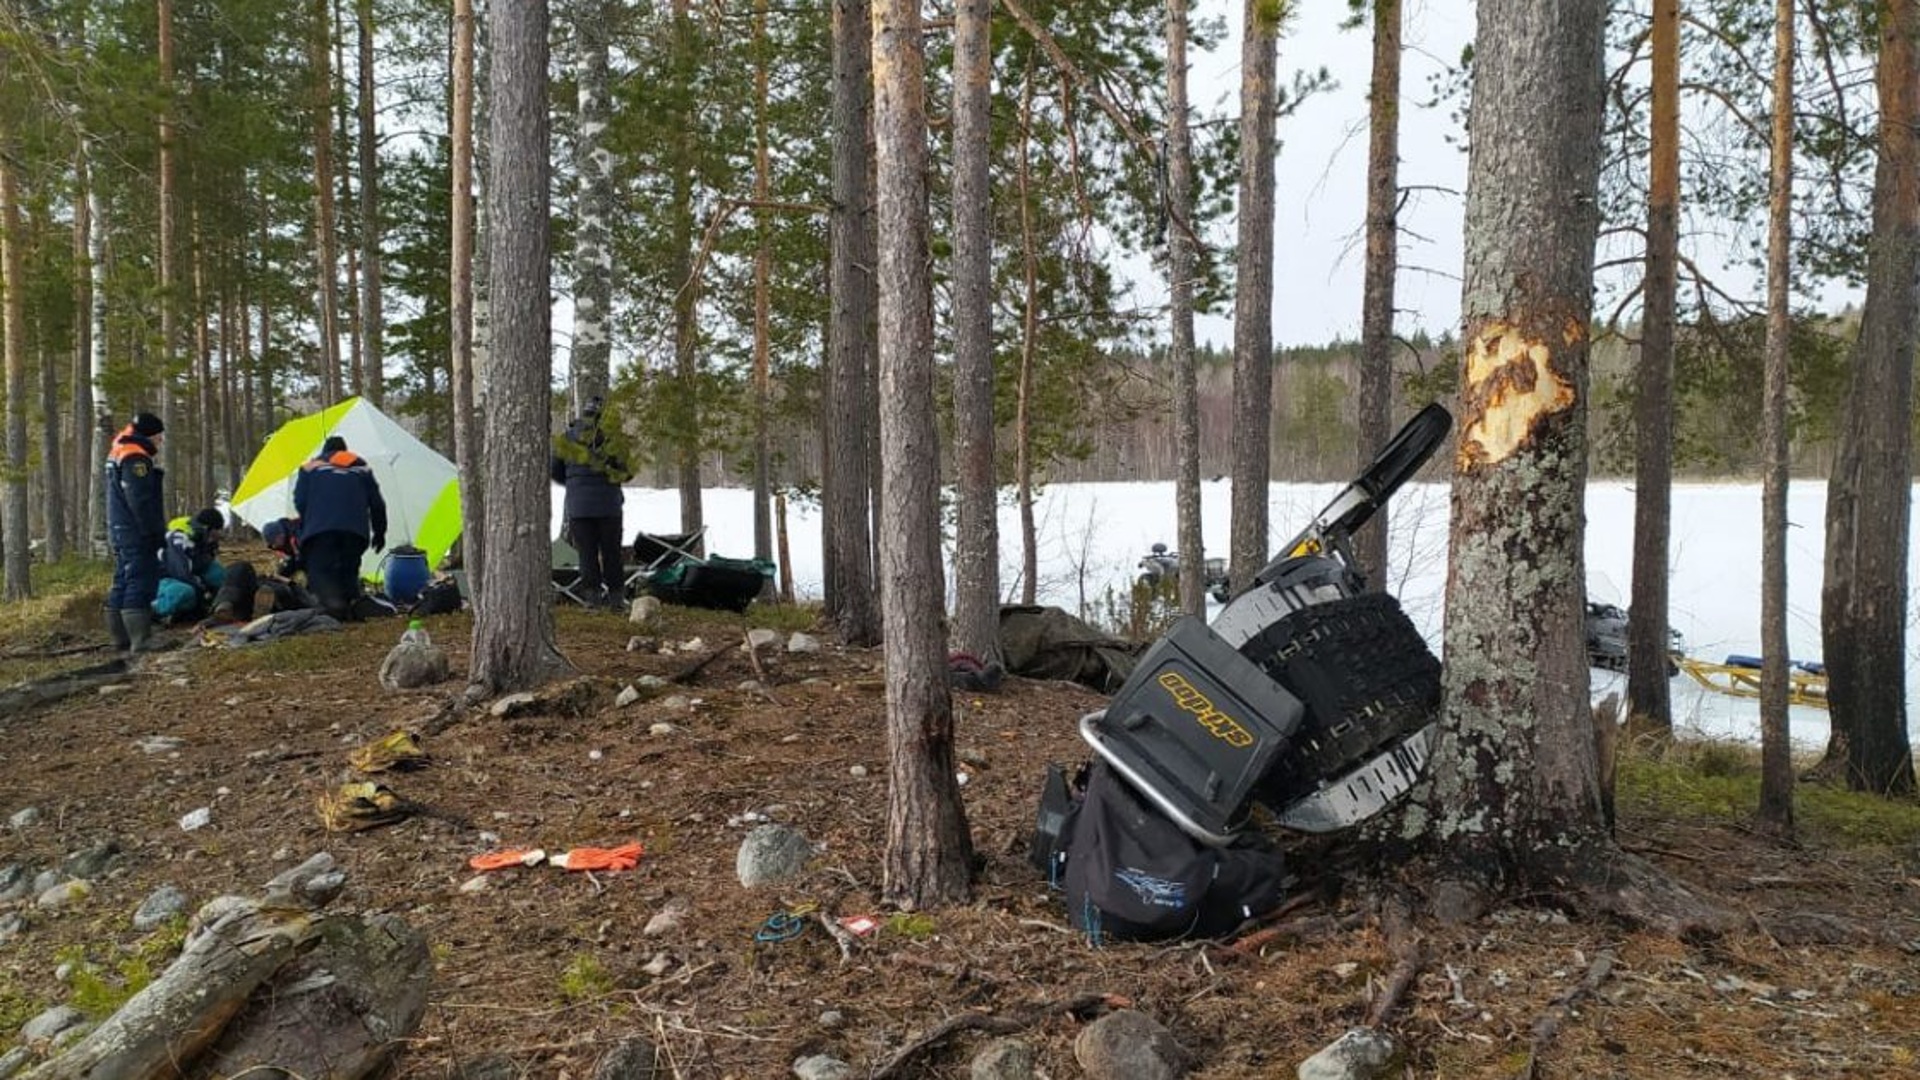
[333, 445]
[147, 424]
[207, 520]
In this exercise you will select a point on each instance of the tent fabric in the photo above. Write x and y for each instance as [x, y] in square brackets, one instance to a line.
[1048, 643]
[422, 488]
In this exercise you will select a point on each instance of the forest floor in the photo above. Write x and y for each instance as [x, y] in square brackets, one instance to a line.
[539, 972]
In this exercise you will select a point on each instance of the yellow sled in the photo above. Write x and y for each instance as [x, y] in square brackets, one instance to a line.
[1740, 676]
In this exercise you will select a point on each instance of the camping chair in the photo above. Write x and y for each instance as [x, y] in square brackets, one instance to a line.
[654, 552]
[566, 573]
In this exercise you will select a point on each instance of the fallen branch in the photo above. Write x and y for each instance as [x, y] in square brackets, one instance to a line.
[992, 1024]
[17, 701]
[1249, 947]
[1548, 1025]
[760, 673]
[1410, 953]
[688, 673]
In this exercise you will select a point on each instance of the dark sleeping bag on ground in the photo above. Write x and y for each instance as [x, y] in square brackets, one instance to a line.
[1132, 874]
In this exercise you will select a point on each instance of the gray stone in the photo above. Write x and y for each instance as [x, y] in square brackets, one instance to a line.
[667, 919]
[631, 1058]
[1003, 1059]
[13, 1061]
[760, 637]
[772, 853]
[16, 881]
[51, 1023]
[163, 904]
[46, 879]
[1360, 1054]
[512, 703]
[650, 682]
[822, 1067]
[91, 862]
[644, 610]
[627, 696]
[491, 1067]
[12, 925]
[479, 883]
[411, 665]
[832, 1018]
[25, 818]
[803, 643]
[1129, 1045]
[160, 744]
[67, 892]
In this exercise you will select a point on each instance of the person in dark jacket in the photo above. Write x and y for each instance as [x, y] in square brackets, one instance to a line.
[190, 560]
[592, 472]
[341, 515]
[136, 527]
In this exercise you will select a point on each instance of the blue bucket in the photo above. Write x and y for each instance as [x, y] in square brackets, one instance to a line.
[404, 573]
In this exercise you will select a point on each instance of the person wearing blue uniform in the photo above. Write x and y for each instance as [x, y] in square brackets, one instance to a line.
[592, 473]
[136, 527]
[190, 569]
[341, 514]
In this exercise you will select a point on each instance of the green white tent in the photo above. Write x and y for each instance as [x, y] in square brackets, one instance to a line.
[422, 488]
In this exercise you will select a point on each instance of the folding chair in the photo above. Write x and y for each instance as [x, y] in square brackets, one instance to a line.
[654, 552]
[566, 573]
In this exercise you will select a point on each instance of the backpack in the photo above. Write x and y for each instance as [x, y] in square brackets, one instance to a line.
[440, 597]
[1131, 874]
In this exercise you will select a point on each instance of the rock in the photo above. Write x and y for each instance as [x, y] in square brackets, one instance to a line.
[771, 853]
[803, 643]
[658, 966]
[632, 1058]
[491, 1067]
[1798, 929]
[411, 665]
[160, 744]
[195, 819]
[91, 862]
[832, 1018]
[12, 925]
[25, 819]
[13, 1061]
[162, 905]
[760, 637]
[644, 610]
[342, 1009]
[677, 702]
[46, 879]
[1003, 1059]
[667, 919]
[1360, 1054]
[70, 1036]
[50, 1023]
[1129, 1045]
[858, 772]
[626, 697]
[16, 881]
[512, 703]
[662, 728]
[748, 686]
[650, 682]
[67, 892]
[479, 883]
[822, 1067]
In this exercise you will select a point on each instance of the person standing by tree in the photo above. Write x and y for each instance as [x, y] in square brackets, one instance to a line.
[592, 472]
[136, 525]
[340, 510]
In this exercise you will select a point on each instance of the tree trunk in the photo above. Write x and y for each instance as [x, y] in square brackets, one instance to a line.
[847, 526]
[1776, 749]
[203, 388]
[372, 236]
[1515, 799]
[686, 301]
[53, 487]
[168, 302]
[1649, 702]
[1383, 263]
[1181, 241]
[513, 640]
[466, 427]
[1029, 340]
[592, 366]
[1864, 601]
[80, 443]
[13, 508]
[929, 853]
[762, 298]
[326, 302]
[1253, 295]
[976, 541]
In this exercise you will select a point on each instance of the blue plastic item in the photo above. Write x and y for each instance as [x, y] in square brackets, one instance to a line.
[404, 572]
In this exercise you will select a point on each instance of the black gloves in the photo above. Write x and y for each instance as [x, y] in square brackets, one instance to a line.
[379, 543]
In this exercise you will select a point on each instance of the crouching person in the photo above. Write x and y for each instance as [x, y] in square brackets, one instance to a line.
[341, 514]
[190, 568]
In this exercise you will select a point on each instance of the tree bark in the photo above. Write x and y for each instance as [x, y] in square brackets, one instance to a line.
[846, 501]
[1649, 702]
[686, 302]
[1029, 341]
[929, 853]
[80, 441]
[202, 487]
[976, 541]
[762, 298]
[53, 486]
[168, 304]
[1776, 749]
[1864, 596]
[324, 254]
[1383, 261]
[513, 640]
[466, 428]
[1181, 241]
[592, 371]
[372, 233]
[1253, 295]
[13, 509]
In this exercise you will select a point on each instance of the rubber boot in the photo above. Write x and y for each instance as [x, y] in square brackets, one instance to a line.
[117, 630]
[139, 623]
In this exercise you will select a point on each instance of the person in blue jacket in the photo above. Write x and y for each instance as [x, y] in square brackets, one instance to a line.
[341, 514]
[136, 527]
[592, 472]
[190, 569]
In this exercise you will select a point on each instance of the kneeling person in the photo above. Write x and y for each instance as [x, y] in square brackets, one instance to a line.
[341, 514]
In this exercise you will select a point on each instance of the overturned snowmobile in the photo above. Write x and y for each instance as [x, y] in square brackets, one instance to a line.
[1307, 695]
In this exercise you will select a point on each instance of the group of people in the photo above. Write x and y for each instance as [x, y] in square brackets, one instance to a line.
[176, 575]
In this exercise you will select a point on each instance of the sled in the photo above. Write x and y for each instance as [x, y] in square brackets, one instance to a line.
[1740, 676]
